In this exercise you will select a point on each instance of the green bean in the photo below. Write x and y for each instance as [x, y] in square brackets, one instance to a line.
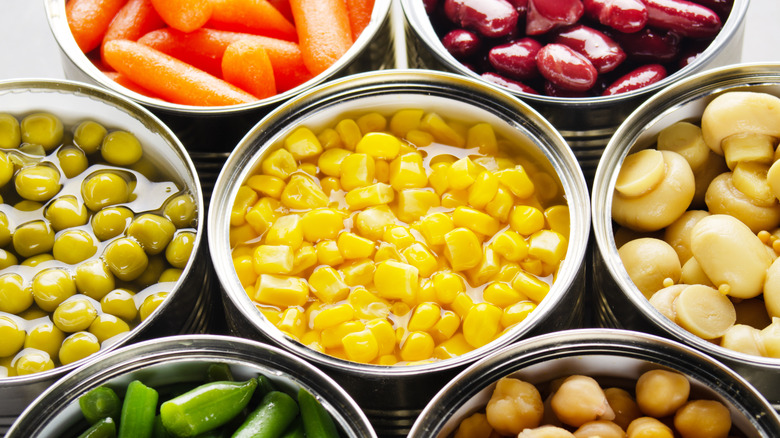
[275, 412]
[316, 420]
[99, 403]
[138, 411]
[158, 430]
[104, 428]
[295, 430]
[219, 372]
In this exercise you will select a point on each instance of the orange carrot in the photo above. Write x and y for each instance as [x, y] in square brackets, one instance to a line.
[283, 6]
[246, 65]
[204, 49]
[173, 80]
[323, 31]
[184, 15]
[251, 16]
[136, 18]
[359, 15]
[122, 80]
[89, 20]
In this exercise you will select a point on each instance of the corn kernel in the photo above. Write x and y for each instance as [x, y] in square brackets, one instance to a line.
[330, 161]
[329, 139]
[507, 272]
[419, 138]
[368, 305]
[387, 360]
[302, 143]
[516, 313]
[448, 285]
[462, 304]
[372, 222]
[414, 203]
[379, 145]
[327, 285]
[482, 324]
[426, 293]
[486, 269]
[388, 251]
[263, 214]
[286, 230]
[483, 190]
[421, 258]
[374, 194]
[271, 314]
[328, 253]
[398, 235]
[358, 272]
[400, 309]
[266, 185]
[407, 171]
[330, 184]
[305, 257]
[462, 174]
[384, 334]
[501, 205]
[292, 321]
[322, 223]
[434, 227]
[394, 280]
[244, 270]
[482, 137]
[303, 193]
[332, 316]
[445, 327]
[361, 346]
[530, 286]
[279, 163]
[424, 317]
[462, 249]
[245, 199]
[502, 295]
[452, 347]
[382, 171]
[312, 340]
[273, 259]
[532, 266]
[475, 220]
[557, 218]
[241, 234]
[353, 246]
[404, 121]
[441, 131]
[309, 168]
[357, 170]
[417, 346]
[281, 291]
[547, 246]
[455, 198]
[518, 182]
[526, 220]
[510, 245]
[331, 337]
[350, 134]
[372, 122]
[438, 178]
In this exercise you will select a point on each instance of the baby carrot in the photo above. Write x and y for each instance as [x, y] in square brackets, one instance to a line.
[89, 20]
[136, 18]
[323, 31]
[251, 16]
[245, 64]
[359, 15]
[284, 7]
[184, 15]
[173, 80]
[122, 80]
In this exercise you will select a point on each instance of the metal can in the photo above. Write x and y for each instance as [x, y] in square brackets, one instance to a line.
[180, 360]
[586, 123]
[392, 396]
[186, 309]
[619, 302]
[617, 356]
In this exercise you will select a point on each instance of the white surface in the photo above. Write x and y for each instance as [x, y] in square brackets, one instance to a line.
[28, 48]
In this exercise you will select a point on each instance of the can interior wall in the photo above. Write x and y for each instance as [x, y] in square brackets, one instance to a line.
[393, 396]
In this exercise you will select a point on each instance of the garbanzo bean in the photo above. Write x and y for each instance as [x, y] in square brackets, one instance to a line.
[579, 400]
[660, 392]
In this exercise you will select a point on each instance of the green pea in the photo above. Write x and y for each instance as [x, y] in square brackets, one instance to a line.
[10, 134]
[44, 129]
[89, 135]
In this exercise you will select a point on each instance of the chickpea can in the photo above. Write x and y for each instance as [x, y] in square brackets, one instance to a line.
[337, 254]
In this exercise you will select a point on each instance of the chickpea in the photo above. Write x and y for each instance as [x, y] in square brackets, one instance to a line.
[473, 426]
[579, 400]
[660, 392]
[648, 427]
[600, 429]
[703, 419]
[515, 405]
[624, 406]
[545, 432]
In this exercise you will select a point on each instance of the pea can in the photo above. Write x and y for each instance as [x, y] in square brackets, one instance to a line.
[619, 303]
[392, 396]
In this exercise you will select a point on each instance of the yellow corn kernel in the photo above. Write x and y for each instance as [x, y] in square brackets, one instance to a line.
[368, 305]
[241, 251]
[526, 220]
[407, 171]
[245, 270]
[302, 143]
[482, 137]
[396, 281]
[379, 145]
[462, 249]
[445, 327]
[441, 131]
[322, 223]
[353, 246]
[281, 291]
[462, 174]
[279, 163]
[309, 168]
[266, 185]
[532, 266]
[447, 286]
[405, 120]
[331, 316]
[330, 161]
[245, 199]
[489, 163]
[387, 360]
[547, 246]
[270, 313]
[414, 203]
[330, 184]
[482, 324]
[530, 286]
[510, 245]
[462, 304]
[400, 309]
[557, 218]
[263, 214]
[452, 347]
[358, 272]
[417, 346]
[302, 193]
[372, 122]
[357, 170]
[398, 235]
[419, 138]
[501, 205]
[455, 198]
[350, 134]
[382, 171]
[434, 227]
[327, 285]
[374, 194]
[486, 269]
[286, 230]
[293, 322]
[502, 295]
[388, 251]
[312, 339]
[475, 220]
[305, 257]
[372, 222]
[424, 316]
[329, 139]
[426, 293]
[361, 346]
[241, 234]
[483, 190]
[328, 253]
[507, 272]
[518, 182]
[421, 258]
[438, 178]
[516, 313]
[331, 337]
[273, 259]
[384, 334]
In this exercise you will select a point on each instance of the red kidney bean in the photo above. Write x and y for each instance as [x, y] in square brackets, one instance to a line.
[720, 7]
[602, 51]
[551, 89]
[649, 45]
[683, 17]
[430, 6]
[517, 59]
[691, 51]
[491, 18]
[636, 79]
[508, 83]
[544, 15]
[622, 15]
[462, 43]
[521, 6]
[565, 68]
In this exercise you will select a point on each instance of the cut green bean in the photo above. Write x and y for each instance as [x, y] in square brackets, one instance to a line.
[317, 422]
[275, 413]
[99, 403]
[158, 431]
[295, 430]
[104, 428]
[138, 409]
[219, 372]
